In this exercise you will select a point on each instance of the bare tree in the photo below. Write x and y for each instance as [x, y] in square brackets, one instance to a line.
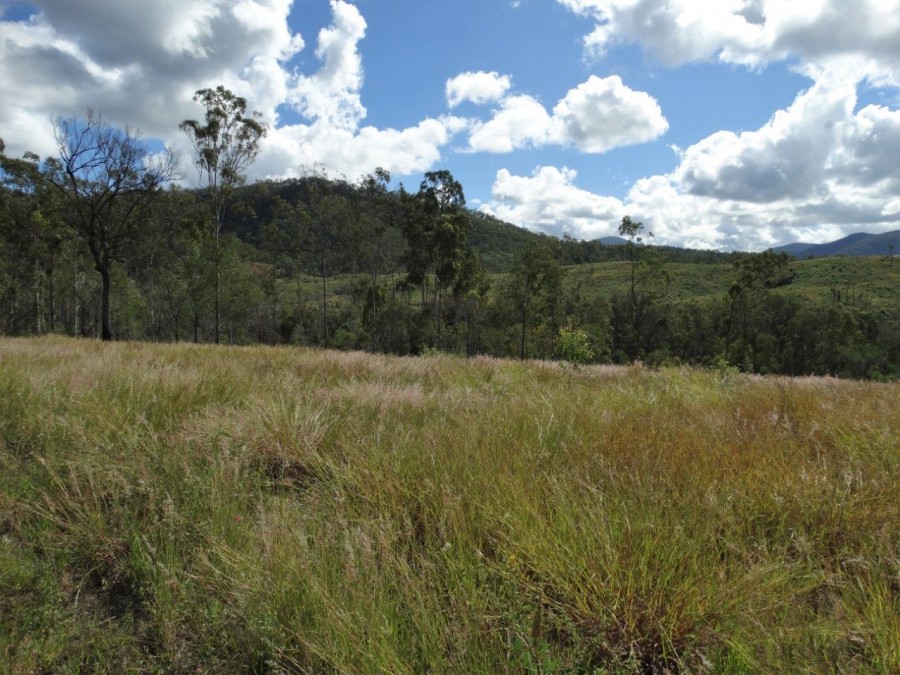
[108, 178]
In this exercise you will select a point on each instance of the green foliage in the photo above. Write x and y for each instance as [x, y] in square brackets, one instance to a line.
[534, 284]
[573, 345]
[88, 201]
[226, 144]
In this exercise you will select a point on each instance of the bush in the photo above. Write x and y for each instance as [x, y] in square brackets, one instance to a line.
[573, 345]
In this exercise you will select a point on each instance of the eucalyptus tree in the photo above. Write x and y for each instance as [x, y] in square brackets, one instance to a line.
[536, 275]
[30, 242]
[107, 178]
[437, 233]
[225, 144]
[647, 283]
[287, 229]
[330, 216]
[757, 274]
[633, 233]
[373, 189]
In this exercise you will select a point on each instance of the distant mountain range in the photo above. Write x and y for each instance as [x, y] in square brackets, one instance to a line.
[858, 244]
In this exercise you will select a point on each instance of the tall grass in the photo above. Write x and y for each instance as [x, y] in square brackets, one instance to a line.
[208, 509]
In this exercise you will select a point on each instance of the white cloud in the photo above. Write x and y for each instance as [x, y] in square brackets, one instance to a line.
[892, 208]
[594, 117]
[815, 171]
[332, 93]
[289, 149]
[867, 148]
[548, 201]
[140, 63]
[750, 32]
[137, 63]
[602, 114]
[477, 87]
[519, 122]
[783, 159]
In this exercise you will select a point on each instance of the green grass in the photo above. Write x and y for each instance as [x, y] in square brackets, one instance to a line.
[180, 508]
[875, 279]
[687, 280]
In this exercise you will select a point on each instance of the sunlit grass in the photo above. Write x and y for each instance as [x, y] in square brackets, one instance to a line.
[181, 508]
[872, 280]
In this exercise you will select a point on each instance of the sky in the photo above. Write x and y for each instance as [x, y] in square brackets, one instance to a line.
[721, 124]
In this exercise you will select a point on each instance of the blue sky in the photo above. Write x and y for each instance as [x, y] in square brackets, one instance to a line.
[719, 123]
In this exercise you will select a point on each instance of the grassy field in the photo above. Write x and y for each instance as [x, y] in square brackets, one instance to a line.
[873, 279]
[200, 509]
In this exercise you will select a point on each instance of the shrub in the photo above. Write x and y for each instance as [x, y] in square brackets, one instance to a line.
[573, 345]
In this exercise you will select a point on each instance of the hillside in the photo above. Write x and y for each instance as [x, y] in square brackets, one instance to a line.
[495, 242]
[864, 281]
[183, 508]
[874, 280]
[876, 244]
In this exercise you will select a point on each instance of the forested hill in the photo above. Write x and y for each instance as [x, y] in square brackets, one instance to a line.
[494, 241]
[497, 243]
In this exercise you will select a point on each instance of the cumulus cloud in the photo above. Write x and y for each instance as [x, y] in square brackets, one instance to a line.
[866, 151]
[783, 159]
[594, 117]
[332, 93]
[750, 32]
[519, 122]
[602, 114]
[140, 63]
[549, 201]
[288, 150]
[477, 87]
[817, 170]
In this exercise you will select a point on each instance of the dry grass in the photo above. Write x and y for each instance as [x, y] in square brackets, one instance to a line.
[200, 509]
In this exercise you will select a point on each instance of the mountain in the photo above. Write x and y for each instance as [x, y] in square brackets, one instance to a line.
[613, 241]
[887, 243]
[857, 244]
[795, 249]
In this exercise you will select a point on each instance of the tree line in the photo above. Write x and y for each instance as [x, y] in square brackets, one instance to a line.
[98, 242]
